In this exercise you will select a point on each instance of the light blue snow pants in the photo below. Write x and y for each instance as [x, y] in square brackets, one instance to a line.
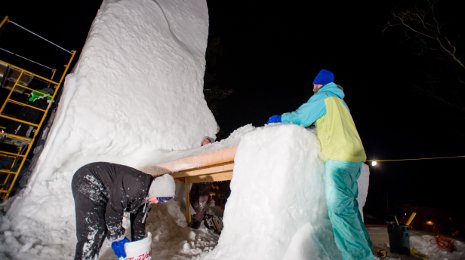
[341, 189]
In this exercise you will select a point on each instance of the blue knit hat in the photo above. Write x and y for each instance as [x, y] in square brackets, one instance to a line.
[324, 77]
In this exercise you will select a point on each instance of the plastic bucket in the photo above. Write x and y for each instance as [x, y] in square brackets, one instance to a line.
[399, 238]
[140, 249]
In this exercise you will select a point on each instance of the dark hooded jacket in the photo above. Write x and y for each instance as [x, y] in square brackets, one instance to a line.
[119, 189]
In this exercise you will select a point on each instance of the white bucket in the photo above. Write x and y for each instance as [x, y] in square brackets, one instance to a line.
[140, 249]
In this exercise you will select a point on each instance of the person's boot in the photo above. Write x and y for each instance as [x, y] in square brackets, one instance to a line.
[213, 222]
[195, 224]
[208, 221]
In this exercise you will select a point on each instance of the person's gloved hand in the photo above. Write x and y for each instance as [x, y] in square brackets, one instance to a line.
[118, 247]
[274, 119]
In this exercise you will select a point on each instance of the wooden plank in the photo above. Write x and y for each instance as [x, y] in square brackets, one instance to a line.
[221, 176]
[200, 160]
[212, 169]
[188, 204]
[206, 167]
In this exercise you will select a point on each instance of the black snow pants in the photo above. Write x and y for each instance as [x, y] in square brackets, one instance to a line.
[90, 203]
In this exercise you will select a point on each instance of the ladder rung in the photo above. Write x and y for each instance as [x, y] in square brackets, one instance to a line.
[8, 171]
[25, 105]
[19, 120]
[3, 153]
[14, 139]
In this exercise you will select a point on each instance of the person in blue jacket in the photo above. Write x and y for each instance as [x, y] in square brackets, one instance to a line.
[343, 153]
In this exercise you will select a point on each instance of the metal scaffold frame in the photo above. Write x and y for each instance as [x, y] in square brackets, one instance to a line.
[26, 99]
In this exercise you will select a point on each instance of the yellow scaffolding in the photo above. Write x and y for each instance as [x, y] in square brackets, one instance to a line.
[26, 99]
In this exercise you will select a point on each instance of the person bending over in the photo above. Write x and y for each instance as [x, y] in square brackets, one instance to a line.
[102, 193]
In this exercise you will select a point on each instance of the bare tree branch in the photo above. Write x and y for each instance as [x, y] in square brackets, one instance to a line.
[423, 24]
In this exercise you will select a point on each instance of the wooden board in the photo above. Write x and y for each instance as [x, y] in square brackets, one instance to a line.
[204, 167]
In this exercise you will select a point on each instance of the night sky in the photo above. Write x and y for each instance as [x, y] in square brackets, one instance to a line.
[263, 56]
[270, 53]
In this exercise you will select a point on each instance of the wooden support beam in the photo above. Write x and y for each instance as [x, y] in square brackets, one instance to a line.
[207, 167]
[206, 170]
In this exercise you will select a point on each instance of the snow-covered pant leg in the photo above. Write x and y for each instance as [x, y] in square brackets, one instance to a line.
[341, 189]
[90, 205]
[137, 226]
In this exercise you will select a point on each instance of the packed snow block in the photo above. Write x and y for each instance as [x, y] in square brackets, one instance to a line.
[277, 199]
[363, 183]
[135, 93]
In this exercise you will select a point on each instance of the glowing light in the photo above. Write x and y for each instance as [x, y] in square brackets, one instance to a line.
[374, 163]
[429, 223]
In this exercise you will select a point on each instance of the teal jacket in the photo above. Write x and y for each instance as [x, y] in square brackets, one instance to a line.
[338, 136]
